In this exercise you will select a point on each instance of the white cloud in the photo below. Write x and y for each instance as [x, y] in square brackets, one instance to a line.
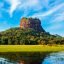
[45, 3]
[29, 5]
[36, 5]
[56, 8]
[55, 27]
[13, 5]
[22, 5]
[58, 19]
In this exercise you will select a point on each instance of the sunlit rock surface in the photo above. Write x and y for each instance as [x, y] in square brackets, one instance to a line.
[33, 23]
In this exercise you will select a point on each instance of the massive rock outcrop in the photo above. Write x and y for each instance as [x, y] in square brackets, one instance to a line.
[32, 23]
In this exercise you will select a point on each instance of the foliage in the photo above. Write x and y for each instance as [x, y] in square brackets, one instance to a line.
[18, 36]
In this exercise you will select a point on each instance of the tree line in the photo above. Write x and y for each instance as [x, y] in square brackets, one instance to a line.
[18, 36]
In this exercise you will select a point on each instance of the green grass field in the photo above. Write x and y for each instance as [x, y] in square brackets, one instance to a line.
[30, 48]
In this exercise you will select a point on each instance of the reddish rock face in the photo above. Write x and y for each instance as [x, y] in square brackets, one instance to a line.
[33, 23]
[24, 23]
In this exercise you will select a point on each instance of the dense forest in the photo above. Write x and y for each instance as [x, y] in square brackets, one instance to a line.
[18, 36]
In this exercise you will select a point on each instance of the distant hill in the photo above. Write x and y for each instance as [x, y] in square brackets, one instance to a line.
[27, 35]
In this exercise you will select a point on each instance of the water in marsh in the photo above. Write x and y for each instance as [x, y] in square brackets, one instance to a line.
[54, 58]
[6, 61]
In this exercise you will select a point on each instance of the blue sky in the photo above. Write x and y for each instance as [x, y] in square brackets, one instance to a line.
[50, 12]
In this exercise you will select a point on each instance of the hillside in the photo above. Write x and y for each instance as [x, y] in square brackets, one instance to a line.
[30, 32]
[28, 36]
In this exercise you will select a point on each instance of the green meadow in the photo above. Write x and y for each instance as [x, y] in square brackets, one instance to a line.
[31, 48]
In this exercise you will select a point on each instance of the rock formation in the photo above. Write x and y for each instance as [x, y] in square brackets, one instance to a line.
[32, 23]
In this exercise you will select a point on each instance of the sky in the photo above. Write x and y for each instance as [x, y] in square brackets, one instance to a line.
[50, 12]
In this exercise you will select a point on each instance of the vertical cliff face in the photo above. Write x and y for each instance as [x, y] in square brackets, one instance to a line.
[32, 23]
